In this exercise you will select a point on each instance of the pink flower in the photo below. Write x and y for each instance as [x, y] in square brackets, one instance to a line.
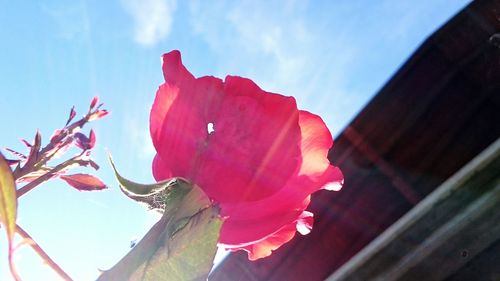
[251, 151]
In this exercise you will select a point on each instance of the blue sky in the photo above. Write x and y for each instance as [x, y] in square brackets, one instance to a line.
[332, 56]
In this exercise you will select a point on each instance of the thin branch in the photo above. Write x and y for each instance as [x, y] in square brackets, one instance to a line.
[67, 130]
[42, 254]
[28, 187]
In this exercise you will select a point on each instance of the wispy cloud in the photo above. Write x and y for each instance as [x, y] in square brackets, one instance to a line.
[152, 19]
[269, 39]
[275, 43]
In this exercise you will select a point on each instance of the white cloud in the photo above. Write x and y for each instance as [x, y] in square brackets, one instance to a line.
[152, 19]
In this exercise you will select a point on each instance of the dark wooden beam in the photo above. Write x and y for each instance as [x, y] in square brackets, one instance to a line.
[451, 226]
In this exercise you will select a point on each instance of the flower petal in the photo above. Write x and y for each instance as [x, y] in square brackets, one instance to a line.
[203, 94]
[175, 130]
[305, 223]
[179, 116]
[249, 223]
[315, 142]
[267, 215]
[174, 71]
[254, 132]
[161, 171]
[332, 179]
[266, 246]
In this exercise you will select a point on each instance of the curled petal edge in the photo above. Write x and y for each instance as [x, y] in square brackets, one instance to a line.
[267, 245]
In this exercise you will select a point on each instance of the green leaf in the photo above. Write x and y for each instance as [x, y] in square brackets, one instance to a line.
[8, 200]
[182, 245]
[187, 255]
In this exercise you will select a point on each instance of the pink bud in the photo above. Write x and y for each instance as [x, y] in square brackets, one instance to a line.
[94, 101]
[91, 139]
[72, 115]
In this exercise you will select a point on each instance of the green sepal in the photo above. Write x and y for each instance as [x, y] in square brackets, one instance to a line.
[138, 189]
